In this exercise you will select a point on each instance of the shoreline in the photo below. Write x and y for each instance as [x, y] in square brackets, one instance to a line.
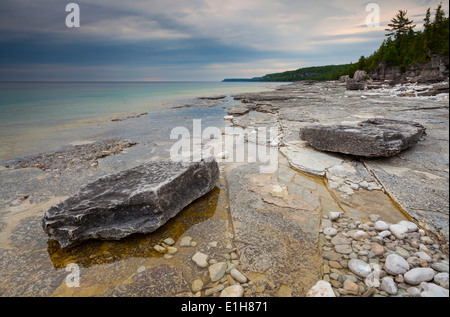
[270, 226]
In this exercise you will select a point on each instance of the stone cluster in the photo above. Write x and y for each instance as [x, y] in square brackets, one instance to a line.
[379, 259]
[217, 277]
[223, 279]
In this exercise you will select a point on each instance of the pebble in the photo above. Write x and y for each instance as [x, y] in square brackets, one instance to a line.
[389, 260]
[377, 249]
[214, 290]
[388, 285]
[373, 279]
[413, 291]
[419, 275]
[172, 250]
[185, 242]
[381, 225]
[439, 266]
[330, 231]
[396, 265]
[351, 287]
[217, 271]
[335, 215]
[410, 226]
[433, 290]
[385, 234]
[200, 259]
[160, 249]
[341, 240]
[424, 256]
[197, 285]
[359, 267]
[321, 289]
[238, 276]
[343, 249]
[169, 241]
[359, 235]
[441, 279]
[398, 231]
[233, 291]
[402, 252]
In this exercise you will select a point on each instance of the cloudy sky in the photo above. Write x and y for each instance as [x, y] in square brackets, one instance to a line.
[200, 40]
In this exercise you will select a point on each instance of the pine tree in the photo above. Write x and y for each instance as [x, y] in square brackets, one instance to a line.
[440, 32]
[427, 32]
[400, 25]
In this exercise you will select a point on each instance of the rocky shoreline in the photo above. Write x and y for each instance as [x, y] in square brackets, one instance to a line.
[379, 259]
[316, 220]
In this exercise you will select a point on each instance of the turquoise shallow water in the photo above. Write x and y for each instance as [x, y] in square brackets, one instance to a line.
[34, 115]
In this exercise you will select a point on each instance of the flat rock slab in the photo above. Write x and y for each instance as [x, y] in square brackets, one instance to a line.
[139, 200]
[370, 138]
[309, 160]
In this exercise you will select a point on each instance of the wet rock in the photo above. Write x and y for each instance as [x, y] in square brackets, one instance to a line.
[169, 241]
[371, 138]
[214, 290]
[139, 200]
[217, 271]
[160, 249]
[233, 291]
[238, 276]
[185, 242]
[197, 285]
[200, 259]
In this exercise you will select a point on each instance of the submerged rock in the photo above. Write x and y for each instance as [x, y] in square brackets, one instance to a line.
[371, 138]
[139, 200]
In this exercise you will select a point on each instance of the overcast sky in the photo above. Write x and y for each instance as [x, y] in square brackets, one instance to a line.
[167, 40]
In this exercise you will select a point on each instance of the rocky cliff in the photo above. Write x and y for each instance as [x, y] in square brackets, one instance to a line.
[435, 71]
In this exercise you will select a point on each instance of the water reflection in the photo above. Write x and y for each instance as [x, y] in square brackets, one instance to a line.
[139, 245]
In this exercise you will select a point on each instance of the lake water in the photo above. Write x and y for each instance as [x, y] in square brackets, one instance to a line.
[37, 117]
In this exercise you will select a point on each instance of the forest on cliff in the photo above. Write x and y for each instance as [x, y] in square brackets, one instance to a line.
[403, 46]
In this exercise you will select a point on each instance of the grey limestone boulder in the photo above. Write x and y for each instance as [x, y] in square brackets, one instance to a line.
[370, 138]
[139, 200]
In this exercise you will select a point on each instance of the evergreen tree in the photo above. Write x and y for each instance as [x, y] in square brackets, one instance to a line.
[427, 32]
[400, 25]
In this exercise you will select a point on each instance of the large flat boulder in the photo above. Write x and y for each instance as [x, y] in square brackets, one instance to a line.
[371, 138]
[139, 200]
